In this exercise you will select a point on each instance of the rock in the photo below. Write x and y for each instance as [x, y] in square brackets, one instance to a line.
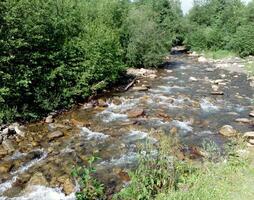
[194, 54]
[251, 141]
[116, 101]
[249, 135]
[141, 72]
[136, 113]
[49, 119]
[169, 70]
[152, 76]
[79, 123]
[252, 113]
[36, 179]
[218, 81]
[193, 79]
[5, 167]
[215, 87]
[217, 93]
[3, 152]
[88, 105]
[209, 69]
[19, 132]
[55, 135]
[8, 146]
[102, 103]
[243, 120]
[227, 131]
[173, 130]
[202, 59]
[68, 187]
[5, 131]
[140, 88]
[164, 115]
[1, 139]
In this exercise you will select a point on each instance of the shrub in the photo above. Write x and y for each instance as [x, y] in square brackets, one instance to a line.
[146, 45]
[243, 40]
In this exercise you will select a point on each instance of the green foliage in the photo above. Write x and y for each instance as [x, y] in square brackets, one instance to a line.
[243, 40]
[158, 172]
[221, 25]
[150, 29]
[55, 53]
[90, 188]
[160, 178]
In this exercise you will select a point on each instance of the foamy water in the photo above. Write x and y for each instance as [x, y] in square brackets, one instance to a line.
[43, 193]
[93, 135]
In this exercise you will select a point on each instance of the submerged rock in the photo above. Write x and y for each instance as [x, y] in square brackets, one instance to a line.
[5, 167]
[55, 135]
[3, 152]
[37, 179]
[136, 113]
[8, 146]
[228, 131]
[243, 120]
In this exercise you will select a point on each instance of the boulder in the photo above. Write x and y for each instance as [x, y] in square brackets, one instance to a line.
[49, 119]
[228, 131]
[252, 113]
[136, 113]
[55, 135]
[249, 135]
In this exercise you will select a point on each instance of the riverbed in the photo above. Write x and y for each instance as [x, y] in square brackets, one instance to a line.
[188, 100]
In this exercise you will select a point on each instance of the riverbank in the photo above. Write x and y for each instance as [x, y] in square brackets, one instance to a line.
[218, 177]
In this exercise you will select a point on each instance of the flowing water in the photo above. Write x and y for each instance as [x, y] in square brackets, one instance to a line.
[179, 102]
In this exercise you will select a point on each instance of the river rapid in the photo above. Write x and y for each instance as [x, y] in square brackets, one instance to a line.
[178, 103]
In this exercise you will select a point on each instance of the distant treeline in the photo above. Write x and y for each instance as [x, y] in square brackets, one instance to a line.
[221, 25]
[54, 53]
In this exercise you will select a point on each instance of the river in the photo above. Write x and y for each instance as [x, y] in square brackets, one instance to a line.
[178, 103]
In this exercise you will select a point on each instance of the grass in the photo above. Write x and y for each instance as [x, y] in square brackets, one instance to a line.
[166, 178]
[220, 54]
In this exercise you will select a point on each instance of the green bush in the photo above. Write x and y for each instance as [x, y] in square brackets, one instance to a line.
[243, 40]
[145, 39]
[54, 53]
